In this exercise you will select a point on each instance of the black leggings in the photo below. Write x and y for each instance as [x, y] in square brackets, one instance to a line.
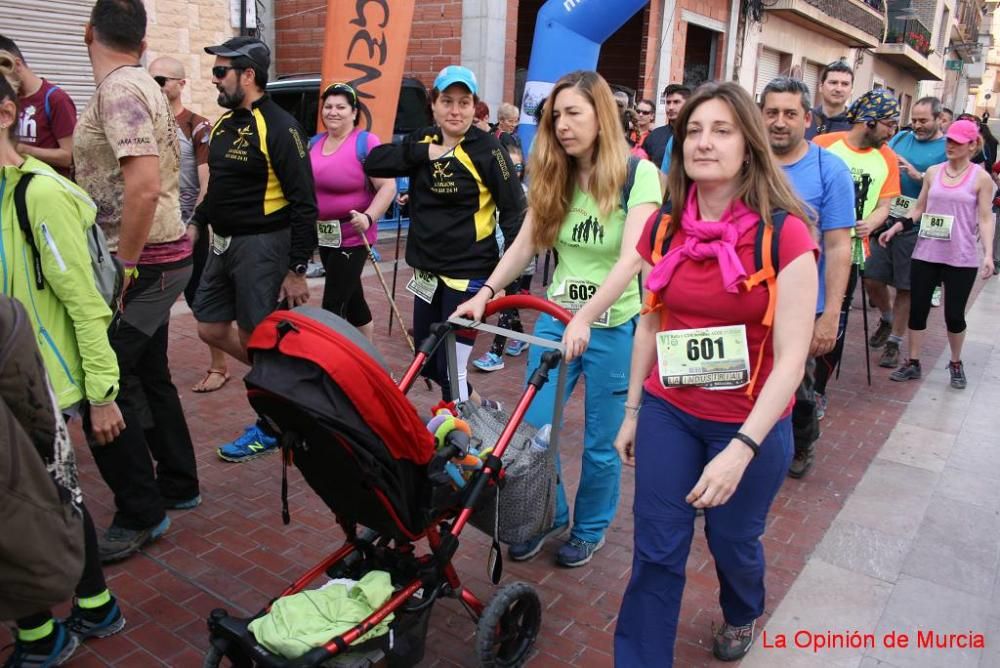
[444, 303]
[91, 582]
[343, 293]
[511, 318]
[958, 283]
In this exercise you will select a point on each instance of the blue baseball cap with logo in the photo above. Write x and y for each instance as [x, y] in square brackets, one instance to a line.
[456, 74]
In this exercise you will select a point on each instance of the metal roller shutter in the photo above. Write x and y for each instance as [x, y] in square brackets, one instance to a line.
[768, 67]
[50, 35]
[810, 77]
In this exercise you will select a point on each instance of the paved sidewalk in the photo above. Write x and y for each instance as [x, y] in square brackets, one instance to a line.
[915, 549]
[233, 551]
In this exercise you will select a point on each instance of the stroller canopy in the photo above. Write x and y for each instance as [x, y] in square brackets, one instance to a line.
[315, 375]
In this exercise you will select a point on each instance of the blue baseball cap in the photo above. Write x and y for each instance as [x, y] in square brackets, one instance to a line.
[456, 74]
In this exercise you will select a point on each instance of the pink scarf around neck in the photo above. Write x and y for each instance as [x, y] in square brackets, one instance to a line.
[707, 239]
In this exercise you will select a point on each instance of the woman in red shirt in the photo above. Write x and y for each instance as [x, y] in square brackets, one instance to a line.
[715, 384]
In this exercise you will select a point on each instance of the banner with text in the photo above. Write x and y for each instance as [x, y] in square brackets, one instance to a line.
[365, 46]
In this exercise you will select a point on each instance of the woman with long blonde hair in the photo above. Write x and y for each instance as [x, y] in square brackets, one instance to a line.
[578, 205]
[714, 367]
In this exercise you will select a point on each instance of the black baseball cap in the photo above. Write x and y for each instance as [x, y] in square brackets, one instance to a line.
[246, 47]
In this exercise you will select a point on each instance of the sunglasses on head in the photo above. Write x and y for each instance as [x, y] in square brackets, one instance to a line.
[219, 71]
[343, 88]
[162, 81]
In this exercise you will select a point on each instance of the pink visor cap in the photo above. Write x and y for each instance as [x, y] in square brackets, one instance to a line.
[963, 132]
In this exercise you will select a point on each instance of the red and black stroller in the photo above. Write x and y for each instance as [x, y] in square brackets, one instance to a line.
[360, 444]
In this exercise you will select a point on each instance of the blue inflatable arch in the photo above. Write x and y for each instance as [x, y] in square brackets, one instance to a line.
[568, 37]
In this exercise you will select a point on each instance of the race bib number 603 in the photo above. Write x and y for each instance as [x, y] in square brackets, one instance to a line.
[716, 358]
[576, 292]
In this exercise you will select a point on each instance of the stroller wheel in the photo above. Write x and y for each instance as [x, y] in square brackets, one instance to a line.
[509, 626]
[213, 657]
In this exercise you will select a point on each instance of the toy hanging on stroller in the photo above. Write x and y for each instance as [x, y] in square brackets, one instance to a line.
[361, 446]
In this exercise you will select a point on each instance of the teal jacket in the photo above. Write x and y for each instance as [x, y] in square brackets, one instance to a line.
[69, 316]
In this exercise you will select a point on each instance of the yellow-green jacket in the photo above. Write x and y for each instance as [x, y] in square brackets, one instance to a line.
[68, 314]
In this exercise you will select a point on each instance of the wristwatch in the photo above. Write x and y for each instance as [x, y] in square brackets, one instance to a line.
[299, 268]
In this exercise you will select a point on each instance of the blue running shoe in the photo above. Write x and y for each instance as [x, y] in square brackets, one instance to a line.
[515, 348]
[253, 443]
[100, 623]
[54, 649]
[488, 362]
[182, 504]
[577, 552]
[532, 546]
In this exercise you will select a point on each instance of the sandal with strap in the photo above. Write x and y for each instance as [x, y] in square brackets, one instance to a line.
[203, 386]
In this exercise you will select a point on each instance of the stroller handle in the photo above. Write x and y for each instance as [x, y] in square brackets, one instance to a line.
[530, 302]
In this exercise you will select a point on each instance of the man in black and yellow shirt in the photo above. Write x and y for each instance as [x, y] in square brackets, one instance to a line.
[261, 205]
[462, 188]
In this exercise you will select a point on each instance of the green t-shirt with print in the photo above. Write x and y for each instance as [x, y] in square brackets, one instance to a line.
[589, 245]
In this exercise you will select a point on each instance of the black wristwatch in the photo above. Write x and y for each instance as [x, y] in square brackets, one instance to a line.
[299, 268]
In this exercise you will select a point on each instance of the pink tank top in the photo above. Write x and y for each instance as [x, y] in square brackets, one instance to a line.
[341, 185]
[961, 204]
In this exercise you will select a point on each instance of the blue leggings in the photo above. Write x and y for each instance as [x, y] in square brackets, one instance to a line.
[672, 449]
[605, 365]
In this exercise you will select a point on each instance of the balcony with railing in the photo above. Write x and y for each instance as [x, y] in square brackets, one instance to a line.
[853, 23]
[910, 32]
[908, 45]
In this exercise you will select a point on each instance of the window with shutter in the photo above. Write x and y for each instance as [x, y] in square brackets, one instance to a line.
[49, 34]
[810, 77]
[768, 68]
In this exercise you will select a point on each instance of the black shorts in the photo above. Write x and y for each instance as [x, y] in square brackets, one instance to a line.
[243, 283]
[891, 265]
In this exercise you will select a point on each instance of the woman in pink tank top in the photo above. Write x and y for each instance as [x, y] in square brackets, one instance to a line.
[955, 202]
[350, 204]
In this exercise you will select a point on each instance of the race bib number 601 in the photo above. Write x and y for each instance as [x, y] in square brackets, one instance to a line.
[716, 358]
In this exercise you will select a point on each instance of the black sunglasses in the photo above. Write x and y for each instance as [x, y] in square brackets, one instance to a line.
[162, 81]
[219, 71]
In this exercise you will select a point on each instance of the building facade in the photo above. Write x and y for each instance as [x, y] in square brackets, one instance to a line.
[669, 40]
[54, 48]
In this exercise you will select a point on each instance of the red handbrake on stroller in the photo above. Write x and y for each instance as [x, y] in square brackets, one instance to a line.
[361, 446]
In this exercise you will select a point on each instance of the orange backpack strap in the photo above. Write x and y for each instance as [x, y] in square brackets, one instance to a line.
[659, 245]
[766, 272]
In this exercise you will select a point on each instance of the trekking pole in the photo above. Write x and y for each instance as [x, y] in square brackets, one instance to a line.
[392, 302]
[864, 319]
[395, 262]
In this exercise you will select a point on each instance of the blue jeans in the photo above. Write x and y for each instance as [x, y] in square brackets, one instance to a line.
[605, 365]
[672, 449]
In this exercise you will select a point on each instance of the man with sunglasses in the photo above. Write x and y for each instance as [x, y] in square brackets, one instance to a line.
[875, 169]
[261, 204]
[193, 132]
[645, 110]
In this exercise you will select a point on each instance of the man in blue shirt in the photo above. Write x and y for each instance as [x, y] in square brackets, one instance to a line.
[823, 181]
[918, 149]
